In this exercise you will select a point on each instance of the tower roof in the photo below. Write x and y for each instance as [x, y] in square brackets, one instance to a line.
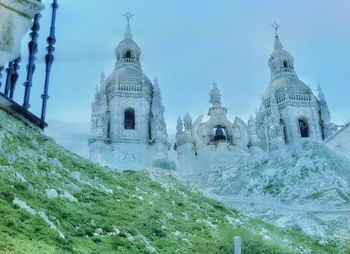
[280, 62]
[283, 77]
[127, 51]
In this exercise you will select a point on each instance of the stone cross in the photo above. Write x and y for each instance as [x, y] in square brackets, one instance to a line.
[128, 16]
[275, 27]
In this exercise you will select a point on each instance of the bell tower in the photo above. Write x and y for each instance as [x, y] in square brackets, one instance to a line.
[289, 112]
[127, 115]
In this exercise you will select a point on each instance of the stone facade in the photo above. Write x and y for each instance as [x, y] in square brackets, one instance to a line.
[200, 144]
[127, 122]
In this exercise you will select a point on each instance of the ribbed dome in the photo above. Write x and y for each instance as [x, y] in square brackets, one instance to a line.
[290, 84]
[128, 79]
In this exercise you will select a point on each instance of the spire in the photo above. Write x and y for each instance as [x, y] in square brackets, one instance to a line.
[278, 43]
[280, 62]
[155, 82]
[321, 94]
[128, 34]
[102, 77]
[158, 125]
[188, 122]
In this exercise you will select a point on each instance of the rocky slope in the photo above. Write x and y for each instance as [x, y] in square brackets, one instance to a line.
[52, 201]
[305, 187]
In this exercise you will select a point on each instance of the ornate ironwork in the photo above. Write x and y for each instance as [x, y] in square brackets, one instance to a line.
[49, 58]
[9, 71]
[6, 97]
[1, 70]
[33, 49]
[14, 76]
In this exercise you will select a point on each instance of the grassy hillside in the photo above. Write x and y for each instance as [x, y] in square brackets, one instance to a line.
[52, 201]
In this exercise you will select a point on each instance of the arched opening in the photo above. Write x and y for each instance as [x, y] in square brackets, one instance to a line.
[128, 54]
[304, 128]
[219, 133]
[129, 119]
[285, 64]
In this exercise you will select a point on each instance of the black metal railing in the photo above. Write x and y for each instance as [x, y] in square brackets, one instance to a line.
[7, 102]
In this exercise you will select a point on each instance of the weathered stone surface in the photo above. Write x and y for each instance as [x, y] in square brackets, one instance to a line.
[340, 141]
[15, 20]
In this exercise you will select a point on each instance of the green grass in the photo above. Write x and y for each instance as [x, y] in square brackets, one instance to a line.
[130, 212]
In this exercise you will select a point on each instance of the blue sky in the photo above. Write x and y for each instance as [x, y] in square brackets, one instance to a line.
[190, 44]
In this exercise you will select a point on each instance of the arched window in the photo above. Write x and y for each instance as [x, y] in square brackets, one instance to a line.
[219, 133]
[129, 119]
[128, 54]
[285, 64]
[304, 128]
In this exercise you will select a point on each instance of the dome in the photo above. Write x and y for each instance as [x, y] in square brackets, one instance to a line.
[128, 80]
[291, 84]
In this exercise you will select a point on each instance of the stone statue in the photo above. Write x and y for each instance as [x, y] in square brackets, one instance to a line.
[188, 122]
[274, 130]
[215, 96]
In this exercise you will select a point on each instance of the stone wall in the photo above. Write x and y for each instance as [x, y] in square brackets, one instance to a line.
[340, 141]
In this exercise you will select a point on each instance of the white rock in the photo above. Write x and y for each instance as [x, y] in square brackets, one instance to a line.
[68, 196]
[51, 193]
[23, 205]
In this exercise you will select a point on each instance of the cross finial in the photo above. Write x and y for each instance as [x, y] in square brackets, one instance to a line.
[275, 27]
[128, 16]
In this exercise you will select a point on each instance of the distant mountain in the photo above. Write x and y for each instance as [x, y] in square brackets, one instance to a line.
[72, 136]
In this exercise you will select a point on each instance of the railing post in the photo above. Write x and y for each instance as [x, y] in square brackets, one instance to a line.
[49, 58]
[14, 76]
[33, 49]
[237, 244]
[9, 71]
[1, 70]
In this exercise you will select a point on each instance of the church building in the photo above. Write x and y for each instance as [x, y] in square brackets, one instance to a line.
[127, 123]
[216, 140]
[129, 130]
[289, 111]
